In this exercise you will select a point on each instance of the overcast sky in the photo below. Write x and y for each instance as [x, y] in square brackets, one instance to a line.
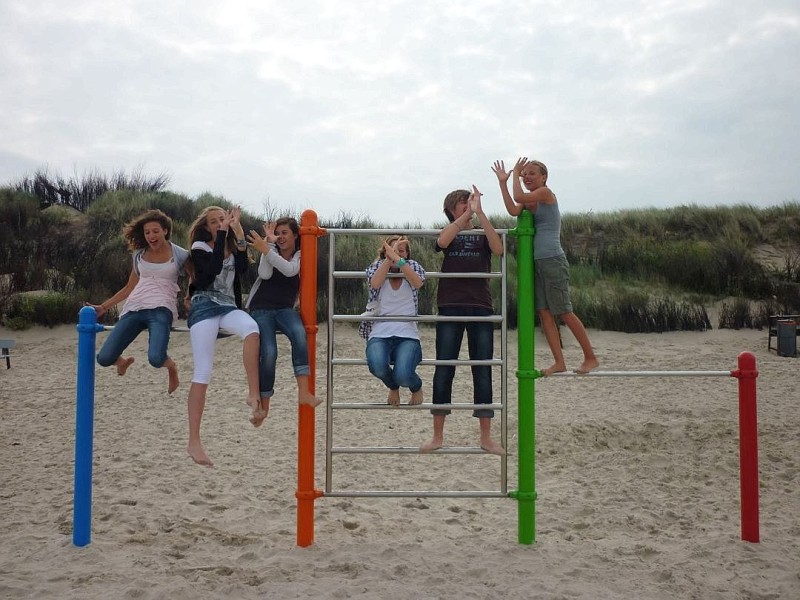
[380, 108]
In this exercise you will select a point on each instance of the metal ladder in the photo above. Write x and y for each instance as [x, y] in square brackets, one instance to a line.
[333, 362]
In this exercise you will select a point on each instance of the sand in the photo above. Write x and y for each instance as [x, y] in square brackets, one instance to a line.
[637, 480]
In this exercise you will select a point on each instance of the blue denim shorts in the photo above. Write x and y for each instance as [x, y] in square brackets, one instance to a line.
[204, 308]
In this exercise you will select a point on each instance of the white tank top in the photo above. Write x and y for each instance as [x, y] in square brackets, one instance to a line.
[158, 286]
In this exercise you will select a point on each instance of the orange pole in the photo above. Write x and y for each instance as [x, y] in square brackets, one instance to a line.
[306, 492]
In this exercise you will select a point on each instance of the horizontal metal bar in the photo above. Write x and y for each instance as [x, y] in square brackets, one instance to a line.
[431, 318]
[413, 494]
[645, 374]
[490, 362]
[428, 275]
[426, 232]
[424, 405]
[405, 450]
[222, 333]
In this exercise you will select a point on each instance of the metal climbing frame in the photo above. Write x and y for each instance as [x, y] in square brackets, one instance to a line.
[334, 362]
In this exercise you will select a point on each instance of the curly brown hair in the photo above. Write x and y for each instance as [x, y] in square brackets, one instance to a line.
[133, 232]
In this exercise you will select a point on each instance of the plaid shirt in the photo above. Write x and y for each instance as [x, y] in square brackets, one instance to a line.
[365, 327]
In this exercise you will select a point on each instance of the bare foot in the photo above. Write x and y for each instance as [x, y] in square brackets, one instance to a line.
[173, 378]
[394, 397]
[434, 444]
[416, 397]
[258, 420]
[259, 415]
[254, 402]
[199, 455]
[123, 364]
[556, 368]
[309, 399]
[588, 365]
[493, 447]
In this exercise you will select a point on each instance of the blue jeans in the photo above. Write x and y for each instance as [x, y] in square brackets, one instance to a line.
[288, 322]
[157, 321]
[480, 343]
[405, 353]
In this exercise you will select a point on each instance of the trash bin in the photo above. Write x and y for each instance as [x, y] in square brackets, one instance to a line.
[787, 338]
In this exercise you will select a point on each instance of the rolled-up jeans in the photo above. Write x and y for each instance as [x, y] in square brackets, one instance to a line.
[288, 322]
[480, 344]
[157, 321]
[405, 353]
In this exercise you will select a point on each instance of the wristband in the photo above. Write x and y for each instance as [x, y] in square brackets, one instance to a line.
[241, 243]
[400, 263]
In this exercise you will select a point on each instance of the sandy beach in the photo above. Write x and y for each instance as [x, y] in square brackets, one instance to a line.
[637, 481]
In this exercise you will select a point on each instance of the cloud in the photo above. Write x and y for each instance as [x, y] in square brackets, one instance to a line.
[384, 108]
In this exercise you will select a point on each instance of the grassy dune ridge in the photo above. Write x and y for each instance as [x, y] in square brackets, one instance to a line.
[631, 270]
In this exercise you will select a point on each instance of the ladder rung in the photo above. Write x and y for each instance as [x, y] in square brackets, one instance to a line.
[428, 275]
[413, 494]
[425, 405]
[423, 318]
[406, 450]
[496, 362]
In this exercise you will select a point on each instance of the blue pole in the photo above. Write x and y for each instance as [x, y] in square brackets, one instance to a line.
[84, 427]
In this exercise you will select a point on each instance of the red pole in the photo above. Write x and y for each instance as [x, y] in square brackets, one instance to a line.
[748, 444]
[306, 492]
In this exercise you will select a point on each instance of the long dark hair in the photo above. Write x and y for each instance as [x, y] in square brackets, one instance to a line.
[291, 222]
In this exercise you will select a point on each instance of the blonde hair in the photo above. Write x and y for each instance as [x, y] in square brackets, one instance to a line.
[538, 164]
[198, 231]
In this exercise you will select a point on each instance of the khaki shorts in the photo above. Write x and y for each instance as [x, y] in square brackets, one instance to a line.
[551, 287]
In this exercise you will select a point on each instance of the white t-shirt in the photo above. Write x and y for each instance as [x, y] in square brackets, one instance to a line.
[398, 301]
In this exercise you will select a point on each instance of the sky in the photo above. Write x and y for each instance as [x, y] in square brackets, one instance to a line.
[379, 109]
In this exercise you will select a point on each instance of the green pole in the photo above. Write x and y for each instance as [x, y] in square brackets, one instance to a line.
[526, 375]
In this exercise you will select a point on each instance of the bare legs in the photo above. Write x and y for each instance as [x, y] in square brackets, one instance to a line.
[487, 443]
[122, 365]
[575, 325]
[197, 400]
[172, 369]
[250, 356]
[416, 397]
[550, 330]
[197, 403]
[394, 397]
[438, 435]
[304, 395]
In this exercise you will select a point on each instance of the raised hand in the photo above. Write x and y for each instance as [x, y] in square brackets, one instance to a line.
[390, 252]
[521, 162]
[269, 232]
[500, 170]
[475, 201]
[227, 219]
[235, 223]
[257, 242]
